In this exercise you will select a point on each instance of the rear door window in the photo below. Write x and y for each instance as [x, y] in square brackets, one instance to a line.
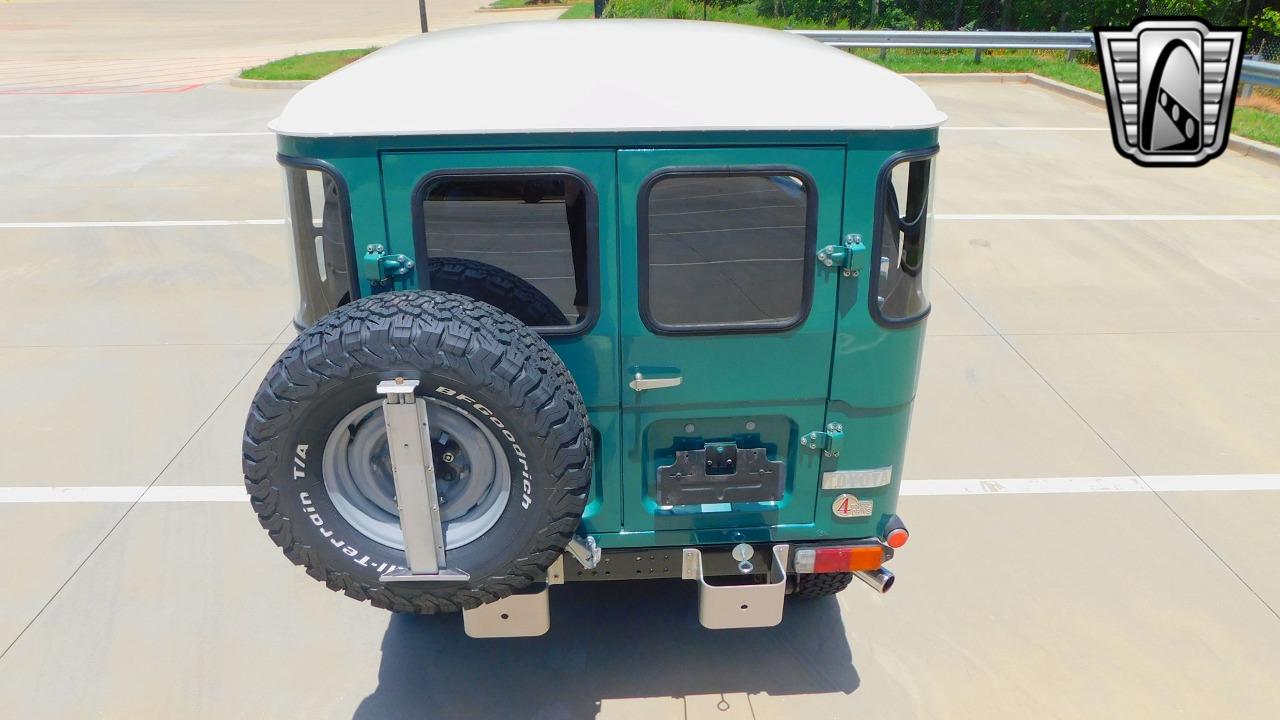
[522, 242]
[725, 251]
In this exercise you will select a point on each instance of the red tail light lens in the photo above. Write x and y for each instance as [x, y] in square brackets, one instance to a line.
[896, 538]
[838, 559]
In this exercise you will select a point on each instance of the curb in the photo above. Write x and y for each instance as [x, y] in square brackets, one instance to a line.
[1244, 146]
[269, 84]
[539, 6]
[1088, 96]
[971, 77]
[1254, 149]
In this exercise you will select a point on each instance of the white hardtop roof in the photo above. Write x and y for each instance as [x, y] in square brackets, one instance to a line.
[603, 76]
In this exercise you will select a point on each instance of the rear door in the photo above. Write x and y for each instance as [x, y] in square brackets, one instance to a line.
[546, 217]
[727, 326]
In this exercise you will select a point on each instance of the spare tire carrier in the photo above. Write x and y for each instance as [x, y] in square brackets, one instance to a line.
[409, 445]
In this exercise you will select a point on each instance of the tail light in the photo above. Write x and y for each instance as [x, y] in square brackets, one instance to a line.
[895, 532]
[838, 559]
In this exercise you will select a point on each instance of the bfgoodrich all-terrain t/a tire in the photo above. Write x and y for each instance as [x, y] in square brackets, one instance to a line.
[820, 585]
[510, 418]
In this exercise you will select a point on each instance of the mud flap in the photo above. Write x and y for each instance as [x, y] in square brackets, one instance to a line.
[521, 615]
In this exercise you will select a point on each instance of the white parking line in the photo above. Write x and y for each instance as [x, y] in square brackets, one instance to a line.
[1115, 484]
[118, 136]
[919, 488]
[124, 494]
[1024, 486]
[133, 224]
[990, 128]
[196, 493]
[1104, 218]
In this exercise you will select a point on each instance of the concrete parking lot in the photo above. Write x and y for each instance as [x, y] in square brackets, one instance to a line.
[1093, 476]
[79, 47]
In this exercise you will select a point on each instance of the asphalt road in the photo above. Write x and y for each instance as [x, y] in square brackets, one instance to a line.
[1093, 475]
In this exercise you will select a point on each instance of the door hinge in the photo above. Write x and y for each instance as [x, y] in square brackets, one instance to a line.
[844, 255]
[383, 268]
[829, 441]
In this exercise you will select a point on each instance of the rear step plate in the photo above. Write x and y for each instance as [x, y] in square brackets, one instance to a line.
[723, 607]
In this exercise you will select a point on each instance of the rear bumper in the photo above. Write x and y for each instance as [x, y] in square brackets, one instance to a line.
[716, 560]
[749, 592]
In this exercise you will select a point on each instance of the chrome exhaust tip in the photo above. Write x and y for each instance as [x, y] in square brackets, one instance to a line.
[880, 580]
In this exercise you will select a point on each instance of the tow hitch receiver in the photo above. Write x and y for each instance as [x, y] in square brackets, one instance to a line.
[722, 607]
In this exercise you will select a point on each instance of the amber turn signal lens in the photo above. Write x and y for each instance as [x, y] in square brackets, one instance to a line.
[896, 538]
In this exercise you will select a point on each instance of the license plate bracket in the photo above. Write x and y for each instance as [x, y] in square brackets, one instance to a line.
[721, 472]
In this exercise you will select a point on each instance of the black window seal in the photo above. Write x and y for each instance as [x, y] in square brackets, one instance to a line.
[642, 248]
[344, 209]
[883, 186]
[584, 324]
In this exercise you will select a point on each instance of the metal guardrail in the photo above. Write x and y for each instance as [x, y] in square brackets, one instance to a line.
[952, 39]
[1253, 72]
[1260, 73]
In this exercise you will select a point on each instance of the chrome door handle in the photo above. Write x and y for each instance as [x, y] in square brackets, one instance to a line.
[640, 382]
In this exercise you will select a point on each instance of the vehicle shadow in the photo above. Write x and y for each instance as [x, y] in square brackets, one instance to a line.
[608, 640]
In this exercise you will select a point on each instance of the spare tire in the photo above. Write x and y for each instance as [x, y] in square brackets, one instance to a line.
[510, 440]
[491, 284]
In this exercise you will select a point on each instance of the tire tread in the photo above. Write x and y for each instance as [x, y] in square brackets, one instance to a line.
[820, 585]
[450, 333]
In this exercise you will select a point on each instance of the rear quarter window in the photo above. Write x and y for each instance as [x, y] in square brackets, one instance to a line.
[900, 286]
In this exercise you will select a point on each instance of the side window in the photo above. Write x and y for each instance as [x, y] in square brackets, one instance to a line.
[319, 225]
[726, 251]
[901, 287]
[524, 243]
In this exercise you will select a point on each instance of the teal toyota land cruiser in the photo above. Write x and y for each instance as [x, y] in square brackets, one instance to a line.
[632, 321]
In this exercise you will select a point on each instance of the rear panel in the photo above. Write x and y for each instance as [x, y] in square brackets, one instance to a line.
[846, 367]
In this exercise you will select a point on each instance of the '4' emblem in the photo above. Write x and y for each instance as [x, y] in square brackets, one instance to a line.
[848, 506]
